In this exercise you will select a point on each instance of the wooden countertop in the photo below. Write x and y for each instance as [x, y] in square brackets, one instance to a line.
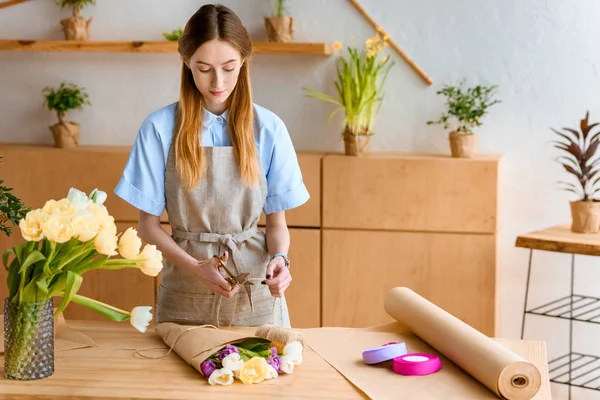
[113, 371]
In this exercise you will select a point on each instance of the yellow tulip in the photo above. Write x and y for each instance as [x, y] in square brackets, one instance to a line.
[255, 370]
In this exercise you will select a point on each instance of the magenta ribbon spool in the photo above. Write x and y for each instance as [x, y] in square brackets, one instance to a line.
[387, 352]
[416, 364]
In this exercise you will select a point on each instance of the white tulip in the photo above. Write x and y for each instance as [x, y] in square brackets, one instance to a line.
[98, 196]
[130, 244]
[294, 352]
[233, 362]
[287, 365]
[272, 373]
[141, 317]
[106, 243]
[221, 376]
[153, 260]
[77, 198]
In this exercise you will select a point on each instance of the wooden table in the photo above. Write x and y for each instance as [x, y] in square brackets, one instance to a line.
[112, 371]
[574, 307]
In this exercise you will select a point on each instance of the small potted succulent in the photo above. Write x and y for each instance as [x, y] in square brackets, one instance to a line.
[12, 209]
[580, 161]
[67, 97]
[76, 27]
[465, 109]
[280, 26]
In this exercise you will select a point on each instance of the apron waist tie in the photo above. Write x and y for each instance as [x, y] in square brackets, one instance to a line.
[230, 240]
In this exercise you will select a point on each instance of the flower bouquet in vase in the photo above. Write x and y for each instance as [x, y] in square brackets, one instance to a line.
[359, 92]
[63, 240]
[223, 356]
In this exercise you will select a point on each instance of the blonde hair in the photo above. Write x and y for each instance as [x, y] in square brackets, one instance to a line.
[208, 23]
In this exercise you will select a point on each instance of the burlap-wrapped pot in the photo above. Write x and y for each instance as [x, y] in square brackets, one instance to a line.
[66, 134]
[76, 28]
[586, 216]
[463, 145]
[280, 29]
[356, 145]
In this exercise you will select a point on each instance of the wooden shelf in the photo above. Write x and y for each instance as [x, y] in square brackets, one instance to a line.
[152, 47]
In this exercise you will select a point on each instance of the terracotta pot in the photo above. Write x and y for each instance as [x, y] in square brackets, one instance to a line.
[66, 135]
[76, 28]
[356, 145]
[280, 29]
[586, 216]
[463, 145]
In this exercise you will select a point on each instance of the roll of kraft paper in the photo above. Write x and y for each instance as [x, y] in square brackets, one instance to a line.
[500, 370]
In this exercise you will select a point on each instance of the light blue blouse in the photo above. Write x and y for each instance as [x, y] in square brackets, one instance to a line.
[142, 183]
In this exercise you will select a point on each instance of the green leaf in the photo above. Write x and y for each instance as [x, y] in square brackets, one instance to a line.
[32, 258]
[73, 284]
[5, 256]
[42, 284]
[99, 308]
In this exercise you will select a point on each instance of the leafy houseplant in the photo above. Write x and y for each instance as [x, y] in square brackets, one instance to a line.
[12, 209]
[580, 161]
[76, 27]
[280, 26]
[64, 240]
[465, 109]
[360, 81]
[67, 97]
[174, 35]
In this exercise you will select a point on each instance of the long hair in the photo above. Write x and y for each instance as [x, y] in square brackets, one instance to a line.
[208, 23]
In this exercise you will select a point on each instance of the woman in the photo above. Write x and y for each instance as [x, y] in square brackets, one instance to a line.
[215, 162]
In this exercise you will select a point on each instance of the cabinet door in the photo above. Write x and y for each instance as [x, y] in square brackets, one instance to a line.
[454, 271]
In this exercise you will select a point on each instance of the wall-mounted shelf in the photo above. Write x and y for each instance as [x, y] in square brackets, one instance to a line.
[323, 49]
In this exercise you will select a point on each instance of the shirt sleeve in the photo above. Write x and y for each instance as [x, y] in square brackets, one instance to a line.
[285, 186]
[143, 181]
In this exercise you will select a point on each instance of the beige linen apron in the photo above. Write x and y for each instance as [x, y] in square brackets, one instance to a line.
[219, 214]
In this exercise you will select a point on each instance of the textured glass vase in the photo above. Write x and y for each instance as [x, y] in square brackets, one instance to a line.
[28, 340]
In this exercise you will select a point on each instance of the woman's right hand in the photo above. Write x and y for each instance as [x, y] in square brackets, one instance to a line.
[207, 271]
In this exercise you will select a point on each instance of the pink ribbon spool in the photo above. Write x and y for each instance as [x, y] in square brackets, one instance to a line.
[416, 364]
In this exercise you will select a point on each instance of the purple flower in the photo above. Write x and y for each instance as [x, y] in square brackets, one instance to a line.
[229, 349]
[208, 367]
[274, 361]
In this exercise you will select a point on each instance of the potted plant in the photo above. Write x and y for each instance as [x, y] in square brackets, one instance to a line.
[280, 26]
[67, 97]
[360, 81]
[174, 35]
[63, 240]
[12, 209]
[76, 27]
[580, 160]
[466, 108]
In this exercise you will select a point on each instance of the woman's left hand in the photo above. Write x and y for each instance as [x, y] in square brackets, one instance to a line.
[278, 277]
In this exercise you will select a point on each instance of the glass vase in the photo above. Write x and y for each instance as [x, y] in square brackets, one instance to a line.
[28, 340]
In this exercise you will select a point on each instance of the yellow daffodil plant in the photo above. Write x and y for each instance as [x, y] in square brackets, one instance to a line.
[64, 240]
[360, 80]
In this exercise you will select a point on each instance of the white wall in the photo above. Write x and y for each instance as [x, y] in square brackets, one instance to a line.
[541, 53]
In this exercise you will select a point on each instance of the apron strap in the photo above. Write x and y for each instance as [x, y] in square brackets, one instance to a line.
[227, 239]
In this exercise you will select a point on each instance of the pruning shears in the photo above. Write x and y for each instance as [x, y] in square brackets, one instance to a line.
[241, 279]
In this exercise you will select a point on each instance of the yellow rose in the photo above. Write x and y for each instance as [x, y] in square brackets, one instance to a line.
[130, 244]
[106, 243]
[255, 370]
[32, 226]
[153, 260]
[85, 227]
[57, 228]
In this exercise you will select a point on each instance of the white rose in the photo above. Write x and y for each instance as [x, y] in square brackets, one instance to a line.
[294, 352]
[98, 196]
[106, 243]
[233, 362]
[272, 373]
[77, 198]
[130, 244]
[141, 317]
[221, 376]
[153, 260]
[57, 228]
[287, 365]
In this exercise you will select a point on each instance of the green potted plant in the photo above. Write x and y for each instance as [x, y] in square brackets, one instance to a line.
[174, 35]
[360, 81]
[68, 96]
[280, 26]
[466, 107]
[580, 161]
[12, 209]
[76, 27]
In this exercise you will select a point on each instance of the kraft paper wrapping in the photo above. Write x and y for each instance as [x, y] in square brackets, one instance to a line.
[473, 365]
[505, 373]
